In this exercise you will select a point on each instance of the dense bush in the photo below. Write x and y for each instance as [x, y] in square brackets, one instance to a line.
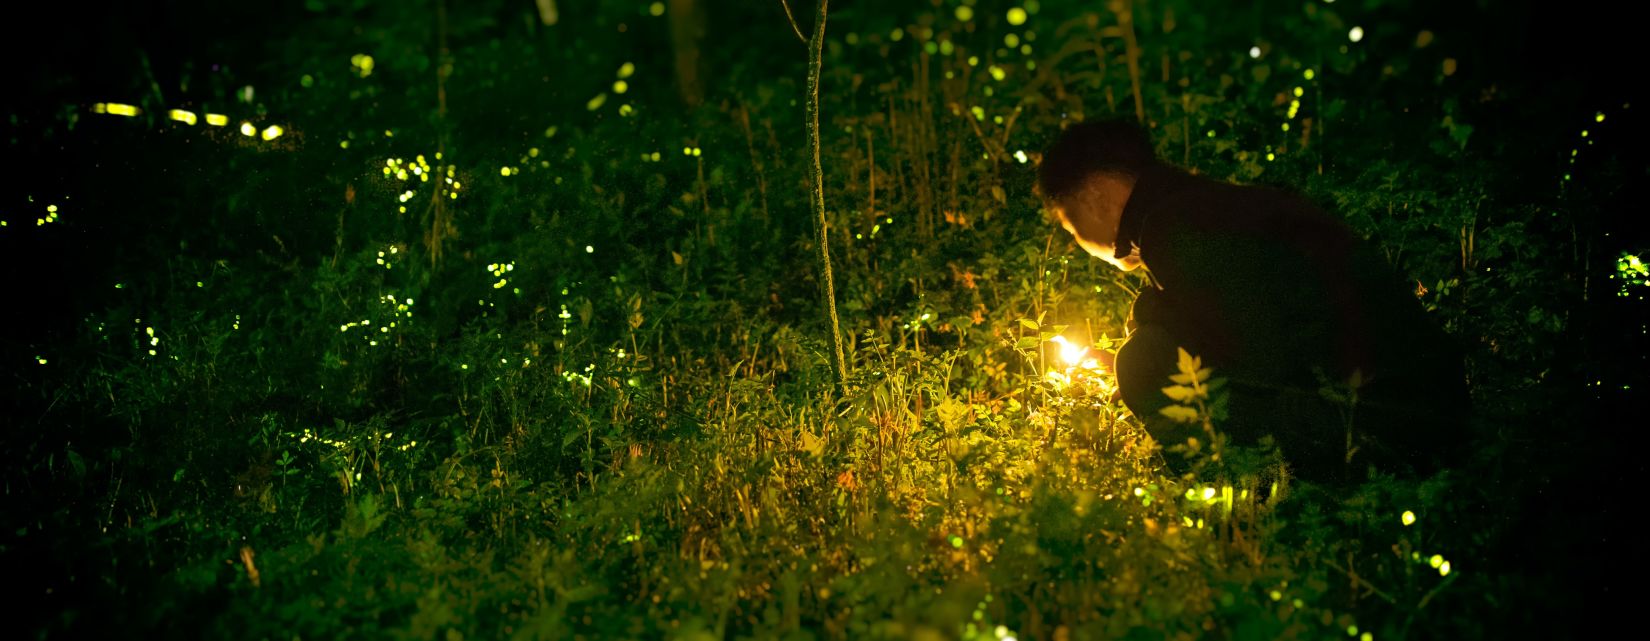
[497, 338]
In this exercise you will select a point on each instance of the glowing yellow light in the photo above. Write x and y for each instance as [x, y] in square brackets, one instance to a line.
[625, 110]
[217, 120]
[656, 9]
[1299, 92]
[1070, 352]
[272, 132]
[1310, 74]
[1017, 16]
[626, 69]
[997, 73]
[1276, 595]
[1436, 560]
[965, 13]
[503, 171]
[185, 117]
[1366, 637]
[620, 86]
[1020, 155]
[1409, 518]
[1443, 569]
[117, 109]
[588, 249]
[1356, 34]
[1011, 40]
[979, 113]
[1599, 117]
[1271, 157]
[248, 130]
[1254, 52]
[100, 108]
[52, 209]
[1352, 630]
[597, 102]
[40, 359]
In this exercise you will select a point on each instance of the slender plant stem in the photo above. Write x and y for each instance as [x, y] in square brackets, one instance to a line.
[816, 46]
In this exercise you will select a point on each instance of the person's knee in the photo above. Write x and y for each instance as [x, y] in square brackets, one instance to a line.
[1144, 364]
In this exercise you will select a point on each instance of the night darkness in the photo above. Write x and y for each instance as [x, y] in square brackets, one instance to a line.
[507, 319]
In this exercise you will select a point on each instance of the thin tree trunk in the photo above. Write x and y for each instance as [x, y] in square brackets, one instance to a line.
[1125, 15]
[816, 46]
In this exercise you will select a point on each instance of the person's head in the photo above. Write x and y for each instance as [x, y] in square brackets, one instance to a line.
[1086, 178]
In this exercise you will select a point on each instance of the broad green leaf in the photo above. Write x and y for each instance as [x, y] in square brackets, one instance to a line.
[1179, 413]
[1187, 379]
[812, 444]
[1188, 364]
[1179, 393]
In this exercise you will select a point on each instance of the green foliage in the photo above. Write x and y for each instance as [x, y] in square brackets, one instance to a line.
[583, 391]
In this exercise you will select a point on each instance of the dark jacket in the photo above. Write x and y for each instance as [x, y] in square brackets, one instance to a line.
[1280, 298]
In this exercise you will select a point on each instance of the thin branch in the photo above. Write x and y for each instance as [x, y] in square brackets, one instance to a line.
[794, 27]
[1361, 581]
